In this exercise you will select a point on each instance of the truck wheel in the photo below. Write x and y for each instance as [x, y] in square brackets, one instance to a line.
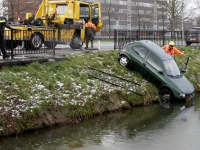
[76, 42]
[36, 41]
[39, 22]
[31, 21]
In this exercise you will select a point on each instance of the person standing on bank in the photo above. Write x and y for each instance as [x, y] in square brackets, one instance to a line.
[2, 25]
[89, 33]
[172, 50]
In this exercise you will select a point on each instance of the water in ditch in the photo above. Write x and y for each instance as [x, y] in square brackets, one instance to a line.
[147, 128]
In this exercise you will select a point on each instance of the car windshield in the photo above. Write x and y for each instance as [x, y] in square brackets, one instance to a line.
[171, 68]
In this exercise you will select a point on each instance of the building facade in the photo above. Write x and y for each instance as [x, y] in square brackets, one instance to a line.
[116, 14]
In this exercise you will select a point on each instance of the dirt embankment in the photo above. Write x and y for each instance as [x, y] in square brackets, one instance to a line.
[56, 116]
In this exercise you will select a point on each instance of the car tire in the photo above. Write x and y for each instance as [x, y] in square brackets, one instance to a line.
[124, 61]
[165, 96]
[76, 42]
[188, 43]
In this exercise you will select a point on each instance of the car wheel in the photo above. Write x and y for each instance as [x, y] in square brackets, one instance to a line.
[165, 97]
[124, 61]
[188, 43]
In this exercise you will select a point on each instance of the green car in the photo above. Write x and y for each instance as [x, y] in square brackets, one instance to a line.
[159, 68]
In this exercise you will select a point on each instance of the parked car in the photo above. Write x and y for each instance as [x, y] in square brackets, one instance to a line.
[159, 68]
[170, 35]
[193, 36]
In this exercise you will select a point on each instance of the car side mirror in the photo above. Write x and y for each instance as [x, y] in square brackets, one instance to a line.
[183, 69]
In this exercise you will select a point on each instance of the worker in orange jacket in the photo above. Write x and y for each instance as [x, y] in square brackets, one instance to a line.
[172, 50]
[89, 33]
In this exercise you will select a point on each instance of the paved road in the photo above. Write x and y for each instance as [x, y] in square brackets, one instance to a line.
[62, 49]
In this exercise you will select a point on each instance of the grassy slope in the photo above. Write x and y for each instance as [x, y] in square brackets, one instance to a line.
[42, 95]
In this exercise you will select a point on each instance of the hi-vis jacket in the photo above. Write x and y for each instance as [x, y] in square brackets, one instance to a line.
[172, 51]
[90, 25]
[89, 31]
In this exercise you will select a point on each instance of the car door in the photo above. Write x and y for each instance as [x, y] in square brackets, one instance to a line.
[95, 15]
[154, 69]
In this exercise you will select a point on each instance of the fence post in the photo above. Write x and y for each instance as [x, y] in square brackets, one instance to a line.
[137, 35]
[115, 40]
[163, 39]
[54, 42]
[11, 43]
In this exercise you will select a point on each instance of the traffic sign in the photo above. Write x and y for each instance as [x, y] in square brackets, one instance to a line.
[117, 23]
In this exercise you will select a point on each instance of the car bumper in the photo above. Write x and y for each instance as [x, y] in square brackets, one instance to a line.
[193, 41]
[188, 97]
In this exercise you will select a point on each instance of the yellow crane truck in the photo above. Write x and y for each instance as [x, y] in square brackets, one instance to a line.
[66, 18]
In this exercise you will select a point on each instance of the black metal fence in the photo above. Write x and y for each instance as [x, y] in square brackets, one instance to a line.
[121, 37]
[23, 42]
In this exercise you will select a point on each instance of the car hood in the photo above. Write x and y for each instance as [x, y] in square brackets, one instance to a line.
[181, 84]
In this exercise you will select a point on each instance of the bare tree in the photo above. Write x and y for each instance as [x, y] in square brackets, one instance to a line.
[175, 11]
[20, 7]
[109, 13]
[195, 12]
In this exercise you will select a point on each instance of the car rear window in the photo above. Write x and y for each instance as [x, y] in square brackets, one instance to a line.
[194, 32]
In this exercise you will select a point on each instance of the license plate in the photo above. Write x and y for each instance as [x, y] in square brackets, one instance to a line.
[193, 39]
[188, 100]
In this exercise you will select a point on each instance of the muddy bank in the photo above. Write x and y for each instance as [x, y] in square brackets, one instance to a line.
[56, 116]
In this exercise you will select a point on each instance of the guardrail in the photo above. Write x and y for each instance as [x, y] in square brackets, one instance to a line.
[22, 42]
[121, 37]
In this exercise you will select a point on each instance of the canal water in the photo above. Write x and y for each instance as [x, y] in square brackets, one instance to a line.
[142, 128]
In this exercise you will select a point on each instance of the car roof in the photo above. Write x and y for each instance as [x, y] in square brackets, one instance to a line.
[194, 30]
[154, 48]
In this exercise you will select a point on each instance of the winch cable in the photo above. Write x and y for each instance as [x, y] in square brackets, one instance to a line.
[114, 80]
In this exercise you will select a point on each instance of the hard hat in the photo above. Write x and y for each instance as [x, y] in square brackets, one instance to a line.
[171, 43]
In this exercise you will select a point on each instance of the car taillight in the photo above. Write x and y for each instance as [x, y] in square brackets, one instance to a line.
[124, 47]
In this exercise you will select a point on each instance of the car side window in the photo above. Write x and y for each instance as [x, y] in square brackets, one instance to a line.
[154, 61]
[141, 51]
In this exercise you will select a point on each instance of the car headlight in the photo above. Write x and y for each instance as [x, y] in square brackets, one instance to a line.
[182, 95]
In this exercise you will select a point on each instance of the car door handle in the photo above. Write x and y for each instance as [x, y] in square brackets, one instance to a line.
[144, 64]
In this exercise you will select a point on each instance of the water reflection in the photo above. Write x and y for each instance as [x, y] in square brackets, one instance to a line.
[118, 130]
